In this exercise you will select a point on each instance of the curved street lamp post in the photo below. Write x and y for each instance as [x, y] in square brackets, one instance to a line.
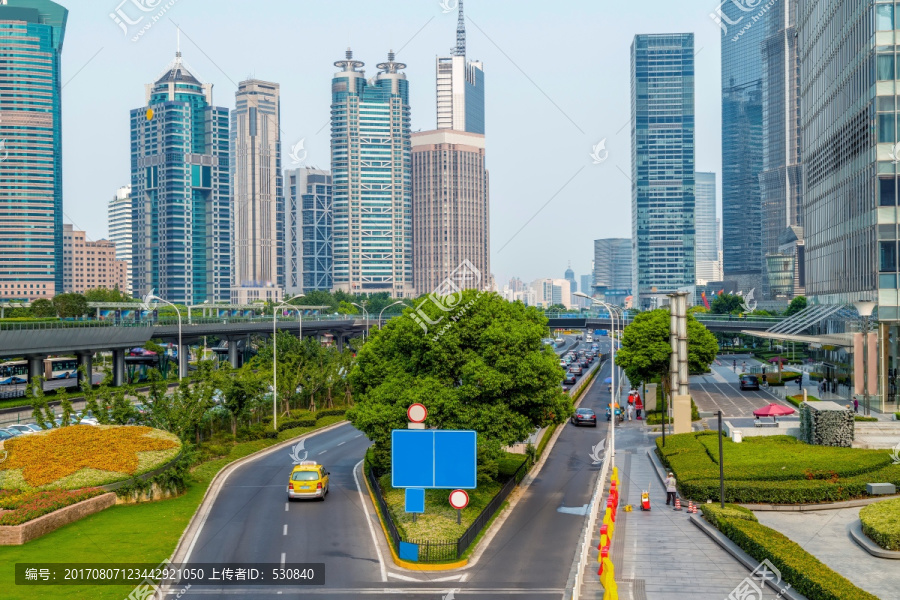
[286, 303]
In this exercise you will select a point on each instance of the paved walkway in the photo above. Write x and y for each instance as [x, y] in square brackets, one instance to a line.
[825, 535]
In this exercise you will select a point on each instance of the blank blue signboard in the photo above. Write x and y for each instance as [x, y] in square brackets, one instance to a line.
[433, 458]
[415, 500]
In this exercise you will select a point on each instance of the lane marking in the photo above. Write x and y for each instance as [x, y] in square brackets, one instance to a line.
[342, 443]
[356, 436]
[285, 531]
[282, 559]
[403, 577]
[451, 578]
[322, 452]
[362, 507]
[286, 506]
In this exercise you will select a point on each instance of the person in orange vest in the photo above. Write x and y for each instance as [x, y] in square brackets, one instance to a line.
[638, 406]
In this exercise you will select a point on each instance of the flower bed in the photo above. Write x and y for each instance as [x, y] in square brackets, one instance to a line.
[80, 456]
[881, 523]
[798, 399]
[25, 505]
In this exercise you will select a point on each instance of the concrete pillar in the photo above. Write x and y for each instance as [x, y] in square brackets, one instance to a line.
[681, 423]
[86, 360]
[35, 368]
[184, 359]
[233, 356]
[340, 343]
[118, 365]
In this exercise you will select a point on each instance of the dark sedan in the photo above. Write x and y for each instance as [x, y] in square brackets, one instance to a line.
[570, 379]
[749, 382]
[584, 416]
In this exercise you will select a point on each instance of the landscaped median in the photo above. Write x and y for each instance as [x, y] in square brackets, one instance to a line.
[773, 469]
[881, 523]
[803, 571]
[797, 399]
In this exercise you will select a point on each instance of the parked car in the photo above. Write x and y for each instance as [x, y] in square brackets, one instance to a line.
[12, 432]
[22, 428]
[749, 382]
[584, 416]
[5, 435]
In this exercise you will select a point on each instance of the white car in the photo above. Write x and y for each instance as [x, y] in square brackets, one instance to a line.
[22, 428]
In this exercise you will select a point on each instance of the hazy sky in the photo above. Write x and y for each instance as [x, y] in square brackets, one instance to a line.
[556, 83]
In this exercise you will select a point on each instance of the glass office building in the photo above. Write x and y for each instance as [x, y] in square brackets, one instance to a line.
[371, 164]
[612, 277]
[31, 207]
[707, 226]
[460, 87]
[180, 186]
[662, 136]
[309, 230]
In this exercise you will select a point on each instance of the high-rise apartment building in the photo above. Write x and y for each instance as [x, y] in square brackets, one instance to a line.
[662, 213]
[742, 143]
[460, 87]
[258, 201]
[31, 206]
[89, 265]
[613, 272]
[370, 160]
[121, 216]
[181, 188]
[451, 213]
[707, 226]
[308, 230]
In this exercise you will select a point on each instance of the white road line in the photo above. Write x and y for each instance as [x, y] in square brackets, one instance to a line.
[282, 559]
[286, 506]
[285, 529]
[322, 452]
[362, 506]
[356, 436]
[404, 577]
[450, 578]
[342, 443]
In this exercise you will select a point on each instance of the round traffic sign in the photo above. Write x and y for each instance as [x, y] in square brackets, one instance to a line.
[417, 413]
[459, 499]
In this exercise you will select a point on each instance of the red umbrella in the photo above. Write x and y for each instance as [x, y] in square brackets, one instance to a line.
[776, 359]
[774, 411]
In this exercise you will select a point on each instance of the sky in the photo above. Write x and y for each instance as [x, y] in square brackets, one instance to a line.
[556, 84]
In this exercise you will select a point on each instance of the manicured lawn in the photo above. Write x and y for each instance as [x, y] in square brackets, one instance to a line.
[136, 533]
[881, 522]
[773, 469]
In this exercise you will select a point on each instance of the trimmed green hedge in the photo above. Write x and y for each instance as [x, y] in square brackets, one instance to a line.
[797, 400]
[862, 418]
[881, 523]
[714, 513]
[806, 574]
[304, 419]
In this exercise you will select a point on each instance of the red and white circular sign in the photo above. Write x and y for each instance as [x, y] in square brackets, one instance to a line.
[459, 499]
[417, 413]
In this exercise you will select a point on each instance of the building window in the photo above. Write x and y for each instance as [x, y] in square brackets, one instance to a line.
[884, 17]
[888, 253]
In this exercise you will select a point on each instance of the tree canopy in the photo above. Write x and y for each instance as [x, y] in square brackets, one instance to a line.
[476, 362]
[70, 305]
[645, 351]
[107, 295]
[797, 304]
[725, 304]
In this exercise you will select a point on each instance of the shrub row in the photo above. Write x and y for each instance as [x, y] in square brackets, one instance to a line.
[881, 522]
[862, 418]
[26, 505]
[803, 571]
[715, 513]
[310, 421]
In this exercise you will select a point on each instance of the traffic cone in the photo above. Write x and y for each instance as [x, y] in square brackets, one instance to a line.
[690, 507]
[694, 511]
[677, 503]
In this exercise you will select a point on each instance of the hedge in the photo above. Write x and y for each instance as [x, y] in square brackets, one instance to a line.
[862, 418]
[897, 415]
[714, 513]
[797, 400]
[881, 523]
[310, 420]
[803, 571]
[305, 422]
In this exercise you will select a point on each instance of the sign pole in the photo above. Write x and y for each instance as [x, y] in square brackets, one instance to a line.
[459, 516]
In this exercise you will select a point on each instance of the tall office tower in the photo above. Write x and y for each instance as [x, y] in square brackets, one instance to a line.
[31, 206]
[850, 203]
[742, 143]
[570, 277]
[121, 215]
[613, 270]
[662, 209]
[781, 177]
[181, 187]
[587, 284]
[89, 265]
[308, 230]
[451, 213]
[460, 87]
[370, 161]
[258, 205]
[707, 244]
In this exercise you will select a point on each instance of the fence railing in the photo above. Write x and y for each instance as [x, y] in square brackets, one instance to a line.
[493, 506]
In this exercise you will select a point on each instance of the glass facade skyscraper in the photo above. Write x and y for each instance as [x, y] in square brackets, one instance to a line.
[371, 163]
[613, 261]
[31, 207]
[460, 87]
[707, 243]
[181, 188]
[309, 230]
[742, 143]
[662, 142]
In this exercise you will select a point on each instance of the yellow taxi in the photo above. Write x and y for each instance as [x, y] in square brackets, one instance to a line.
[308, 479]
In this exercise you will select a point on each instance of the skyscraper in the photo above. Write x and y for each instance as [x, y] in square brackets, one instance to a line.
[31, 206]
[451, 212]
[258, 206]
[613, 262]
[88, 264]
[181, 187]
[309, 230]
[121, 216]
[570, 277]
[460, 87]
[742, 143]
[707, 245]
[781, 177]
[370, 159]
[587, 284]
[662, 209]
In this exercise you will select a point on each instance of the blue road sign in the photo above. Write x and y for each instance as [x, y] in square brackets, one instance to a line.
[409, 551]
[415, 500]
[433, 458]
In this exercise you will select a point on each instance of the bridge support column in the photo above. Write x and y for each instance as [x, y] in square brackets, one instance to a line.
[233, 355]
[86, 360]
[340, 343]
[35, 368]
[118, 366]
[184, 360]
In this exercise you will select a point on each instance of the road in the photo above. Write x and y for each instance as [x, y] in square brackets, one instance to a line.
[720, 390]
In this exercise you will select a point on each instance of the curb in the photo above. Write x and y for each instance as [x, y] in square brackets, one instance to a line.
[741, 556]
[856, 532]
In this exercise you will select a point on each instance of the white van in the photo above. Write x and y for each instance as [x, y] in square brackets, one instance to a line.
[588, 338]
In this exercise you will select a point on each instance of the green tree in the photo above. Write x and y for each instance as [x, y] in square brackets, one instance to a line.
[318, 298]
[345, 308]
[102, 294]
[646, 350]
[40, 410]
[240, 389]
[725, 304]
[70, 305]
[480, 366]
[797, 304]
[42, 308]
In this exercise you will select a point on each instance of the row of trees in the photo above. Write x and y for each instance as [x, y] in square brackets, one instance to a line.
[732, 304]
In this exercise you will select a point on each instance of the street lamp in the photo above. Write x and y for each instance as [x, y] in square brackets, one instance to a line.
[275, 356]
[366, 334]
[387, 307]
[151, 297]
[865, 308]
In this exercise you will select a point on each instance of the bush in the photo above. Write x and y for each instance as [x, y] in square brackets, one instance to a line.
[897, 416]
[803, 571]
[797, 400]
[305, 422]
[714, 513]
[330, 412]
[862, 418]
[881, 523]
